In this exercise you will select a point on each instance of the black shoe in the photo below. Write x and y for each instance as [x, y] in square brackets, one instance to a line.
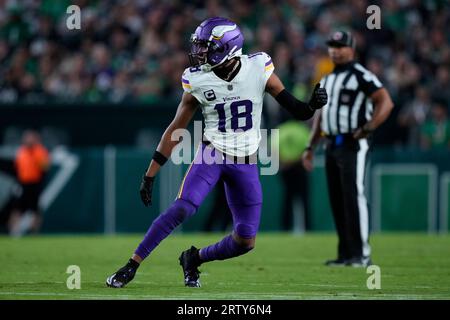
[190, 261]
[359, 262]
[339, 262]
[123, 276]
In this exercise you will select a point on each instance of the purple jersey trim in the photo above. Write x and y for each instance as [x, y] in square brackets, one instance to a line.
[254, 54]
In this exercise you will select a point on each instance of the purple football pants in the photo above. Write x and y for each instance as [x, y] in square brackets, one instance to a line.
[244, 197]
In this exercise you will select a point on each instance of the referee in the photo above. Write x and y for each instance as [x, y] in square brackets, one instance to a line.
[357, 105]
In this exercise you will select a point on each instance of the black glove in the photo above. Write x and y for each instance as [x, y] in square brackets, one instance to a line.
[146, 190]
[319, 98]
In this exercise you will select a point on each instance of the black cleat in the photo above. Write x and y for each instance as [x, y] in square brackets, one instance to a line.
[190, 261]
[123, 276]
[339, 262]
[359, 262]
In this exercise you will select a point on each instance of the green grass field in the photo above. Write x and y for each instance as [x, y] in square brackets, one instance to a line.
[283, 266]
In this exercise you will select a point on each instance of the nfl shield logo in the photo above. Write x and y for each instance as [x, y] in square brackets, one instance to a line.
[230, 87]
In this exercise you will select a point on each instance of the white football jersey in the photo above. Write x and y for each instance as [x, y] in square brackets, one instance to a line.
[232, 109]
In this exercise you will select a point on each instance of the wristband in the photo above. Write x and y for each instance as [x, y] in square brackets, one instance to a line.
[159, 158]
[147, 178]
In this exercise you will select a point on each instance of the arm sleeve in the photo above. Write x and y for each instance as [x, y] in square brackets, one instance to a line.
[299, 110]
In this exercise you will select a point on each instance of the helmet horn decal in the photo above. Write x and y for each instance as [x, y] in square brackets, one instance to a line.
[218, 32]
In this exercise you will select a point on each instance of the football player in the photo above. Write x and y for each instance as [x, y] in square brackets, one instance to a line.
[229, 88]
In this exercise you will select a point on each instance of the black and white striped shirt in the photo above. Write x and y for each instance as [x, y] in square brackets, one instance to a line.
[349, 105]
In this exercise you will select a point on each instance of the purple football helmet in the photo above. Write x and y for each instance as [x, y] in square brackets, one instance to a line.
[215, 41]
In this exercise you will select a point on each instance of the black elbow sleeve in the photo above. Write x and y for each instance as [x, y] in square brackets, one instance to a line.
[297, 108]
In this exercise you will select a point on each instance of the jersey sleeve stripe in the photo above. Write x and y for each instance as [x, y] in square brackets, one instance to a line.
[269, 67]
[269, 62]
[185, 83]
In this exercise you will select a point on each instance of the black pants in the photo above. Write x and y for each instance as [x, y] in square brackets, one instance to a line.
[29, 199]
[345, 164]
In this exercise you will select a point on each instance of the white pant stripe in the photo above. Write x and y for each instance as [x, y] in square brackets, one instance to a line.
[362, 201]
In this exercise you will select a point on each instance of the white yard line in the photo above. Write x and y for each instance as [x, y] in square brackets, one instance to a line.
[244, 296]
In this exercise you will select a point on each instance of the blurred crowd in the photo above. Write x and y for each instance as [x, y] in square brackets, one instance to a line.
[134, 51]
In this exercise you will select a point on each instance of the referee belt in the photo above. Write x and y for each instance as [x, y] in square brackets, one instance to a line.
[341, 139]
